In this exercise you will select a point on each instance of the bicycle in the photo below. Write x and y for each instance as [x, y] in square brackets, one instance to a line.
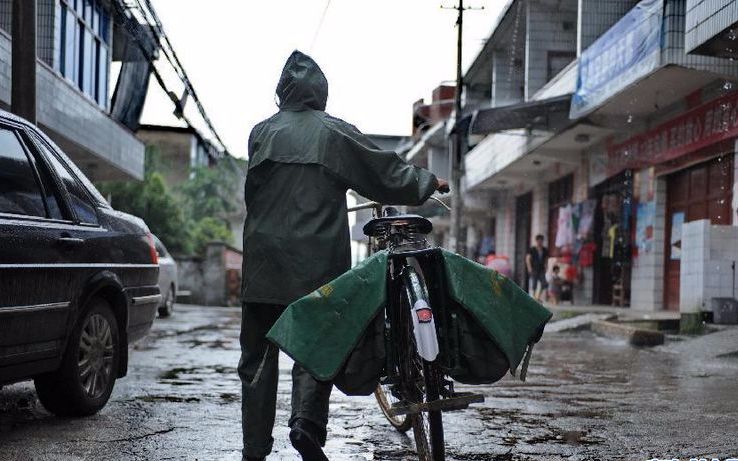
[415, 390]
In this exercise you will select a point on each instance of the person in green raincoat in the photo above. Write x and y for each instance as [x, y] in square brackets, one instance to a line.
[296, 238]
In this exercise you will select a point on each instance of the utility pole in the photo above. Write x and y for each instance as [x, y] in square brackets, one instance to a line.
[457, 156]
[23, 73]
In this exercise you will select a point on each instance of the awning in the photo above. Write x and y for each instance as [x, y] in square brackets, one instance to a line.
[544, 114]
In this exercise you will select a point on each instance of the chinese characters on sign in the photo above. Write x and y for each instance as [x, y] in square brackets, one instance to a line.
[697, 128]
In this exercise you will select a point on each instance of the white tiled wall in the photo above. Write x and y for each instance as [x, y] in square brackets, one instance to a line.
[508, 80]
[597, 16]
[706, 18]
[674, 44]
[504, 206]
[647, 278]
[708, 253]
[539, 218]
[548, 29]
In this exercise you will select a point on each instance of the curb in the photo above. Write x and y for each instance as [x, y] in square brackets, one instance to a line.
[633, 335]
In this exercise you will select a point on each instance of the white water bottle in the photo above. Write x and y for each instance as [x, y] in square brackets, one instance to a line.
[425, 330]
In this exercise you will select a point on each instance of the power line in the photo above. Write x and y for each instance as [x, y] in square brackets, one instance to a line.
[320, 24]
[149, 16]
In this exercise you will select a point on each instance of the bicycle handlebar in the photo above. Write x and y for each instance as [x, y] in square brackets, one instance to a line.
[378, 206]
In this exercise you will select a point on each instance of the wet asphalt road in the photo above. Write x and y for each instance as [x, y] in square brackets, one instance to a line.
[585, 398]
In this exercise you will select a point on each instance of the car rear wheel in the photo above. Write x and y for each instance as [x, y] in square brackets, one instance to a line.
[167, 308]
[85, 380]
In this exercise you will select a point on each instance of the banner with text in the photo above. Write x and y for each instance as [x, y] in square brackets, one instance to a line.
[700, 127]
[628, 51]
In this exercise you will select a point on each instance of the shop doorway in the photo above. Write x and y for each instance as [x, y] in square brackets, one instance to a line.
[523, 212]
[703, 191]
[612, 234]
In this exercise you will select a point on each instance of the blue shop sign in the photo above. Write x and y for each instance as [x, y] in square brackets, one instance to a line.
[628, 51]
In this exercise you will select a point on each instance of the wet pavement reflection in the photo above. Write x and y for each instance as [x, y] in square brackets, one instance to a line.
[585, 398]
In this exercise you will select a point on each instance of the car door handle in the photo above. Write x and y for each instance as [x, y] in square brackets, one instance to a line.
[70, 241]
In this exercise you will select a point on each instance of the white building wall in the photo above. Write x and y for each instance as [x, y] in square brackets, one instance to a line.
[539, 215]
[507, 77]
[706, 18]
[596, 17]
[505, 226]
[647, 277]
[548, 30]
[708, 254]
[674, 44]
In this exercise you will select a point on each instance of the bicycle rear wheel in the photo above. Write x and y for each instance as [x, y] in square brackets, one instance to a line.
[385, 399]
[422, 382]
[428, 426]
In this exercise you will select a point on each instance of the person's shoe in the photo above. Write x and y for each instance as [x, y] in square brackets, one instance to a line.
[304, 437]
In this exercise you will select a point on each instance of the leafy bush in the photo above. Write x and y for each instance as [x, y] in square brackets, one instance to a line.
[151, 201]
[189, 217]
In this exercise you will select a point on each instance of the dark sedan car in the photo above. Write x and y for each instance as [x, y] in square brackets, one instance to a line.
[78, 280]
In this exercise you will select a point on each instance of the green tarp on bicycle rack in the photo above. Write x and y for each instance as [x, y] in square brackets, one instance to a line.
[320, 330]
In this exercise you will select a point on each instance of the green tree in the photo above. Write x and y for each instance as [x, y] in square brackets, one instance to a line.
[210, 192]
[209, 230]
[192, 215]
[151, 201]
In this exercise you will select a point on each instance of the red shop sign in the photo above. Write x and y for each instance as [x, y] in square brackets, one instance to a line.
[709, 123]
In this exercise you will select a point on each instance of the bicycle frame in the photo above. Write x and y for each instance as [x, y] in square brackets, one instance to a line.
[416, 362]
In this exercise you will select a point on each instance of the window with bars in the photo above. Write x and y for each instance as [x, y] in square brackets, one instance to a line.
[83, 46]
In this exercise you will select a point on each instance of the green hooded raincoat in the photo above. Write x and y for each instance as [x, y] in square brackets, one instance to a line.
[301, 163]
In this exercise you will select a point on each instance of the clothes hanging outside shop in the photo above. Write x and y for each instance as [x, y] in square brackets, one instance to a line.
[586, 218]
[565, 227]
[574, 224]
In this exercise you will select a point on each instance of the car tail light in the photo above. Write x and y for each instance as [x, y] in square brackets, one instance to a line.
[152, 249]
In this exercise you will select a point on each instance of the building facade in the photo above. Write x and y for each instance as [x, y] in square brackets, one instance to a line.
[77, 41]
[179, 150]
[608, 127]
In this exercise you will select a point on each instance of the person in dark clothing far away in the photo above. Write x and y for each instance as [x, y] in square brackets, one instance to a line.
[296, 238]
[536, 261]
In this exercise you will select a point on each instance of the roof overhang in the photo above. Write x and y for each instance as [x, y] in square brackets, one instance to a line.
[662, 88]
[418, 154]
[543, 157]
[546, 114]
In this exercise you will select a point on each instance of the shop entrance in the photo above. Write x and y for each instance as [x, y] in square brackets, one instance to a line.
[699, 192]
[523, 212]
[612, 224]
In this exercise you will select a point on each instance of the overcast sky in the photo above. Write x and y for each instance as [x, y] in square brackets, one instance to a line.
[379, 56]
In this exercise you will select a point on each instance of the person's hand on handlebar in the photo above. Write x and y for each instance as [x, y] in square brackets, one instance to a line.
[443, 186]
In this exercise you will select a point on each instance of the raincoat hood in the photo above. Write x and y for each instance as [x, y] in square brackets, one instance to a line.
[302, 84]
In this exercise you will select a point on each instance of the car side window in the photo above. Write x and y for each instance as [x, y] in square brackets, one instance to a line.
[20, 190]
[79, 199]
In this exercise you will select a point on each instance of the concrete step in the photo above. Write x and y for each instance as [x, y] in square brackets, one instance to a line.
[625, 330]
[577, 323]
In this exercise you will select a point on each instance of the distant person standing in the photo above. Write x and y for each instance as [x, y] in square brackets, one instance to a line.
[536, 261]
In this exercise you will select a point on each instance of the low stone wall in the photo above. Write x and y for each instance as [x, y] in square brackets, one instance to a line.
[212, 280]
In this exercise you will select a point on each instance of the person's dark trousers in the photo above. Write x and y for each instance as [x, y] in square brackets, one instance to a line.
[259, 373]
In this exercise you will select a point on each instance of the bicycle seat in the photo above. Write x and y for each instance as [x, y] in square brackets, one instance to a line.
[377, 226]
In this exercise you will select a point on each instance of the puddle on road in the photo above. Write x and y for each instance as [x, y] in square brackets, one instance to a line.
[181, 373]
[167, 398]
[212, 343]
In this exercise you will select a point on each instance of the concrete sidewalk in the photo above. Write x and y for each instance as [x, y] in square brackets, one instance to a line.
[623, 313]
